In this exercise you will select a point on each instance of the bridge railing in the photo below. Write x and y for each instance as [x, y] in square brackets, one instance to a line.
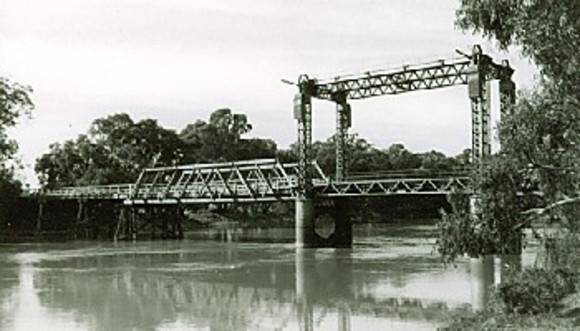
[409, 174]
[114, 191]
[401, 182]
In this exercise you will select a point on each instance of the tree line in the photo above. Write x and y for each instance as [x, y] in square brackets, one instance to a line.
[116, 148]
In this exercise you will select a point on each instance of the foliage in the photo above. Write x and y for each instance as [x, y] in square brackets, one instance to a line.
[537, 174]
[220, 140]
[491, 222]
[116, 148]
[361, 156]
[536, 290]
[114, 151]
[530, 300]
[462, 233]
[14, 102]
[543, 137]
[494, 318]
[547, 31]
[10, 190]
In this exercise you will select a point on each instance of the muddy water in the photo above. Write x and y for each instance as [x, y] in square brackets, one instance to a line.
[390, 280]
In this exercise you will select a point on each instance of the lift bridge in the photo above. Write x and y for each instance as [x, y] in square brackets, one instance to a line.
[304, 182]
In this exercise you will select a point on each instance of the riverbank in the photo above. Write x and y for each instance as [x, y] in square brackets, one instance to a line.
[533, 299]
[495, 317]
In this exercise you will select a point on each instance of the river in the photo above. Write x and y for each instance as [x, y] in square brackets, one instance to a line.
[233, 280]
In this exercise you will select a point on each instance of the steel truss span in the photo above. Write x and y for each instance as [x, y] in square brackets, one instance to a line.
[258, 181]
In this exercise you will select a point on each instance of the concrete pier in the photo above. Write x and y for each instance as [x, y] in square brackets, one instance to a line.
[304, 223]
[482, 279]
[342, 237]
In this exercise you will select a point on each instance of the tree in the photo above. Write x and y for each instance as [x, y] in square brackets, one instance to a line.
[115, 150]
[434, 160]
[541, 135]
[256, 148]
[14, 102]
[536, 175]
[401, 158]
[220, 139]
[547, 32]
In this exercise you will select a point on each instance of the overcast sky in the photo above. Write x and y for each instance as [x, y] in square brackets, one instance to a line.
[178, 60]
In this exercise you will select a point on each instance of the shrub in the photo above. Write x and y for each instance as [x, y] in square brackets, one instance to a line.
[536, 290]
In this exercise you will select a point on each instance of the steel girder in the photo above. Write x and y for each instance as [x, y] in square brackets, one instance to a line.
[438, 74]
[395, 186]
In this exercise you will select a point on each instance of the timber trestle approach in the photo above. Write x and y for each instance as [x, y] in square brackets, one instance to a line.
[166, 190]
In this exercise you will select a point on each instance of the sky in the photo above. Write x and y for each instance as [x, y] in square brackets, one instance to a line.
[179, 60]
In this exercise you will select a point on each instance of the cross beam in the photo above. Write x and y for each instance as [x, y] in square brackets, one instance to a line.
[408, 78]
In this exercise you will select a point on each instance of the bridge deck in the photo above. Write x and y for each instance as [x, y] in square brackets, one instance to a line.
[258, 181]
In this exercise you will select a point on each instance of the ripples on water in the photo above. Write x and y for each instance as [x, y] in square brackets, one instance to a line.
[390, 280]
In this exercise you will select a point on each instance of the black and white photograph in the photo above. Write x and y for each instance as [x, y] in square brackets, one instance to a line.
[277, 165]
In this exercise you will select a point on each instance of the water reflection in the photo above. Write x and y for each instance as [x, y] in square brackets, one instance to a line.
[220, 286]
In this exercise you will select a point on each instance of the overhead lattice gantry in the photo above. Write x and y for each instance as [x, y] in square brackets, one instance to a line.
[475, 70]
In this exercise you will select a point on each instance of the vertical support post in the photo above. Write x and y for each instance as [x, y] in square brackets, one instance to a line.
[180, 219]
[303, 114]
[40, 216]
[304, 212]
[133, 223]
[511, 260]
[79, 218]
[482, 268]
[478, 87]
[121, 221]
[80, 211]
[343, 123]
[481, 274]
[152, 219]
[507, 88]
